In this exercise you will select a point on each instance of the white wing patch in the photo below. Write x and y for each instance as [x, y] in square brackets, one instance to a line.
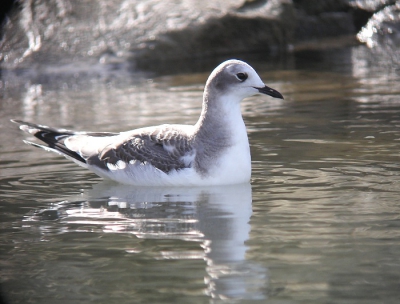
[169, 148]
[188, 158]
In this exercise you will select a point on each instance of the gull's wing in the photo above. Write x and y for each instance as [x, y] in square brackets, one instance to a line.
[167, 147]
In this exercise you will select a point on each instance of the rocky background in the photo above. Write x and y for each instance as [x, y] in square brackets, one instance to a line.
[37, 32]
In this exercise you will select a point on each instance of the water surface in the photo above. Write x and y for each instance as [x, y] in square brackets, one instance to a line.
[318, 224]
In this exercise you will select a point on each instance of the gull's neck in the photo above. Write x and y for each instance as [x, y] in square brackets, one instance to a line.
[220, 114]
[219, 130]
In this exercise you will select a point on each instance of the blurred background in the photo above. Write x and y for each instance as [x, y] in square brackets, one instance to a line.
[67, 37]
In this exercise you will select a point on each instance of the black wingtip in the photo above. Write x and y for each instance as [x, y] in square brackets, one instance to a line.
[54, 139]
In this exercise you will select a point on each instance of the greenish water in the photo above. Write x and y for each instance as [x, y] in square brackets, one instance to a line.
[318, 224]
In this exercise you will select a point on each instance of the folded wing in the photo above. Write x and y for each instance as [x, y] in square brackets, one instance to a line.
[165, 147]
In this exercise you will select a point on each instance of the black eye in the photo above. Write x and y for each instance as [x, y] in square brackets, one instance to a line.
[241, 76]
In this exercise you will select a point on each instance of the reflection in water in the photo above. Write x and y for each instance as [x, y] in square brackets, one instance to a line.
[32, 100]
[215, 217]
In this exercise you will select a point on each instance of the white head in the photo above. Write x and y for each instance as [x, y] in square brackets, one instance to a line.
[236, 78]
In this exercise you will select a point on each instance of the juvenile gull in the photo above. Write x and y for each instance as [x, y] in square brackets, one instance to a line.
[214, 151]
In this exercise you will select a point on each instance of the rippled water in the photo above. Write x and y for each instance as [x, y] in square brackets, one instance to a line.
[318, 224]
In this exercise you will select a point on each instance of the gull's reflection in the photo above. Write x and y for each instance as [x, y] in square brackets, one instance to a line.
[216, 217]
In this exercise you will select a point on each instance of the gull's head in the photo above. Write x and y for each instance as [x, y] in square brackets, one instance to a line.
[235, 78]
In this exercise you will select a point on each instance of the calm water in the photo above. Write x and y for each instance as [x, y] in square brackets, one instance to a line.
[320, 222]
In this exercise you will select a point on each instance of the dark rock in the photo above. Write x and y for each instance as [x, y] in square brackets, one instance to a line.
[371, 6]
[44, 33]
[6, 6]
[109, 32]
[325, 25]
[362, 10]
[251, 5]
[382, 35]
[317, 7]
[230, 33]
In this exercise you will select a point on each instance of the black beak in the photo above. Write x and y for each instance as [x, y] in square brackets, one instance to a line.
[271, 92]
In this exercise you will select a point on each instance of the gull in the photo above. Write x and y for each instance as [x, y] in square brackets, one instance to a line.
[214, 151]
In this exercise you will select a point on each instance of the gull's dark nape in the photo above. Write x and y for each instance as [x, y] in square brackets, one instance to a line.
[52, 137]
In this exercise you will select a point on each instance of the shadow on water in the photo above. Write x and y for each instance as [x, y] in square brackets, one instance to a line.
[146, 223]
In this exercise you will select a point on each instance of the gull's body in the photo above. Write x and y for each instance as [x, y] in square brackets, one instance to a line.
[214, 151]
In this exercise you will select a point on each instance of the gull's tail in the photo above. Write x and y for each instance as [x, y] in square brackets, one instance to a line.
[54, 139]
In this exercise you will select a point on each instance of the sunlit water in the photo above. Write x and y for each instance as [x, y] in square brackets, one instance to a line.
[318, 224]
